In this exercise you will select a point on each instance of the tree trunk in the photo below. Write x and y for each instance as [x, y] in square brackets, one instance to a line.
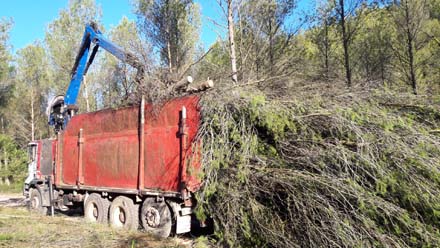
[271, 45]
[232, 42]
[168, 33]
[382, 74]
[32, 115]
[410, 49]
[326, 50]
[86, 94]
[240, 49]
[1, 166]
[345, 41]
[170, 64]
[257, 60]
[6, 162]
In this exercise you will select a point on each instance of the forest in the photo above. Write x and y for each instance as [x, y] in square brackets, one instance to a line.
[322, 128]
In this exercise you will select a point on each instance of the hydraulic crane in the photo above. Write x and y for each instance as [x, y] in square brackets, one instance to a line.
[62, 108]
[132, 167]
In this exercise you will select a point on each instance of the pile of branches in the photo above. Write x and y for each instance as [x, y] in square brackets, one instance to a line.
[351, 171]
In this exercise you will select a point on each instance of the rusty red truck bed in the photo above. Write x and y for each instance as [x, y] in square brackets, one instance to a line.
[110, 148]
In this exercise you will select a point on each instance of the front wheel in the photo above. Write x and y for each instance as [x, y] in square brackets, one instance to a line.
[36, 202]
[156, 218]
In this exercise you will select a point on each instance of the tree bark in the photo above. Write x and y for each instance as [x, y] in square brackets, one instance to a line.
[170, 64]
[410, 49]
[232, 42]
[326, 50]
[271, 47]
[201, 86]
[181, 84]
[86, 94]
[6, 162]
[345, 42]
[168, 33]
[32, 115]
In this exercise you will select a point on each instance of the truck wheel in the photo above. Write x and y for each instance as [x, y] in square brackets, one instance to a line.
[36, 202]
[96, 208]
[156, 218]
[124, 213]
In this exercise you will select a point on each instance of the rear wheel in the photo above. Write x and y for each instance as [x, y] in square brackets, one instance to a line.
[96, 208]
[156, 217]
[36, 202]
[124, 213]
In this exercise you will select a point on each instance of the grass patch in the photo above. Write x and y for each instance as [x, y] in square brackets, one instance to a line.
[13, 188]
[20, 228]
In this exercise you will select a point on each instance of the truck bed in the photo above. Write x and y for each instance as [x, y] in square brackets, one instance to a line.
[110, 157]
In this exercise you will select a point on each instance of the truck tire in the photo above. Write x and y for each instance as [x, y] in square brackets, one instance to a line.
[124, 213]
[156, 218]
[96, 208]
[36, 202]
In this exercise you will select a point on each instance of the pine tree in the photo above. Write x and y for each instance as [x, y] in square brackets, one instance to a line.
[410, 17]
[172, 27]
[63, 38]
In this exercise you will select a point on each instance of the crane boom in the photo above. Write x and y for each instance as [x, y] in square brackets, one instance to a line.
[83, 61]
[62, 108]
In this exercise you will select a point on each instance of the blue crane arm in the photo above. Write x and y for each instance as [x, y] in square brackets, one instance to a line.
[82, 61]
[62, 108]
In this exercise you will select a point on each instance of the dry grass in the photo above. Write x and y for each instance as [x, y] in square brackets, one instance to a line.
[20, 228]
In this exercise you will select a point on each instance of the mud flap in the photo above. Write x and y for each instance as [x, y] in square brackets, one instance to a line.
[44, 195]
[182, 216]
[183, 224]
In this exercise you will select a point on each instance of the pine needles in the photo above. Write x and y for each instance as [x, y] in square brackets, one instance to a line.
[320, 172]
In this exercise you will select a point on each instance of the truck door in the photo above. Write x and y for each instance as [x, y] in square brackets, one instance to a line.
[32, 165]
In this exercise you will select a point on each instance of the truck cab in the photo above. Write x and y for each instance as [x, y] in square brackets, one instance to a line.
[32, 166]
[40, 164]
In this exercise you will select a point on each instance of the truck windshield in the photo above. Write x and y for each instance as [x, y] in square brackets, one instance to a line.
[32, 152]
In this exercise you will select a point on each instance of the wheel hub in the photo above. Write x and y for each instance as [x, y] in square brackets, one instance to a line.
[153, 217]
[95, 212]
[92, 212]
[121, 216]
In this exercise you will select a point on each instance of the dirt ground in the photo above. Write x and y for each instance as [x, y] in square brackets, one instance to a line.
[20, 228]
[12, 200]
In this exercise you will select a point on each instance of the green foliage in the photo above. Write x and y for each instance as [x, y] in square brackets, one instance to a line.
[30, 93]
[5, 56]
[173, 28]
[370, 48]
[216, 62]
[63, 38]
[5, 59]
[115, 79]
[284, 167]
[283, 172]
[379, 45]
[13, 161]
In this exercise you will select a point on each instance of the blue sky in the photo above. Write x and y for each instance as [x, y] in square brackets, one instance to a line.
[31, 17]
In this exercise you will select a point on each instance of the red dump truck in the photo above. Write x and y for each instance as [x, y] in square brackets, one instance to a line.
[123, 166]
[132, 167]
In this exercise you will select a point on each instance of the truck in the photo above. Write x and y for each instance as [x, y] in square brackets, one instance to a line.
[132, 167]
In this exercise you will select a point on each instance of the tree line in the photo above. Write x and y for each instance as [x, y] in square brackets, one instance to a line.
[358, 43]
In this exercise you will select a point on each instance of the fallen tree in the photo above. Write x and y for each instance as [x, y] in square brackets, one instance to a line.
[320, 171]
